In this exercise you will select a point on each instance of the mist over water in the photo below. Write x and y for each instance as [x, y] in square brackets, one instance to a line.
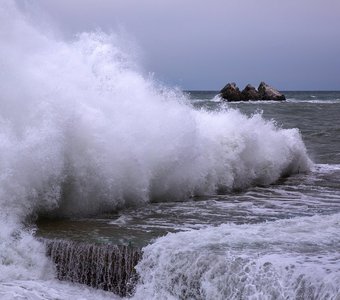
[83, 132]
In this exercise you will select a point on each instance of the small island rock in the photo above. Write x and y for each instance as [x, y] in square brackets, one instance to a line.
[250, 93]
[269, 93]
[264, 92]
[231, 92]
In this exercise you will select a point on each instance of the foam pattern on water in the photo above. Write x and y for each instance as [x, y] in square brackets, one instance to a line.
[285, 259]
[50, 290]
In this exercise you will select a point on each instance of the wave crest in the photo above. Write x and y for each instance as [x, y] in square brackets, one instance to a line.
[82, 130]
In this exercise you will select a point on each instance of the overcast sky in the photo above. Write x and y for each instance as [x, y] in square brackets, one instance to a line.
[193, 44]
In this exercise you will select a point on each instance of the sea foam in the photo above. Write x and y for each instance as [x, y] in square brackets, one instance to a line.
[285, 259]
[83, 131]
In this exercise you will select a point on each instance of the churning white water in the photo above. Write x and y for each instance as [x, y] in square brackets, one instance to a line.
[82, 132]
[285, 259]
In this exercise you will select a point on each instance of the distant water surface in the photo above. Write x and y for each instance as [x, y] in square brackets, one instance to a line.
[315, 113]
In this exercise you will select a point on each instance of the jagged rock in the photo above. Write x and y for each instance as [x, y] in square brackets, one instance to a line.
[264, 92]
[250, 93]
[231, 92]
[269, 93]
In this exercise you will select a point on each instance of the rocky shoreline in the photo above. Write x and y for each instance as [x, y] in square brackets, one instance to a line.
[264, 92]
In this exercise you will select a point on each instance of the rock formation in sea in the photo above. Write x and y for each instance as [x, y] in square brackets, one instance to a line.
[269, 93]
[250, 93]
[264, 92]
[231, 92]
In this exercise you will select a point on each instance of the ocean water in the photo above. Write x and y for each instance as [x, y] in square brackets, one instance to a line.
[226, 200]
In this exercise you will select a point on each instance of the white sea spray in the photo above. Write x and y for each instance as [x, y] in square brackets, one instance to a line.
[82, 131]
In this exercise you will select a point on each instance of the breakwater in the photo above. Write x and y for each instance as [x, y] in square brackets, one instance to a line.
[107, 267]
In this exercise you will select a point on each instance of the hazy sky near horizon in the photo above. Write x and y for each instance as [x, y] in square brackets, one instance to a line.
[193, 44]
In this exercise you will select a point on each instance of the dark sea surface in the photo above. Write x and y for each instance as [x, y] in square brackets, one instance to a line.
[283, 238]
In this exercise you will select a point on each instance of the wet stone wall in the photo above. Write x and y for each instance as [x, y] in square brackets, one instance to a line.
[107, 267]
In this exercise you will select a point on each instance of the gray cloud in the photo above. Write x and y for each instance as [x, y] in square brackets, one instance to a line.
[203, 44]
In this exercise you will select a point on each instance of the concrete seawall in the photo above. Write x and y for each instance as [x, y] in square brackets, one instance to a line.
[107, 267]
